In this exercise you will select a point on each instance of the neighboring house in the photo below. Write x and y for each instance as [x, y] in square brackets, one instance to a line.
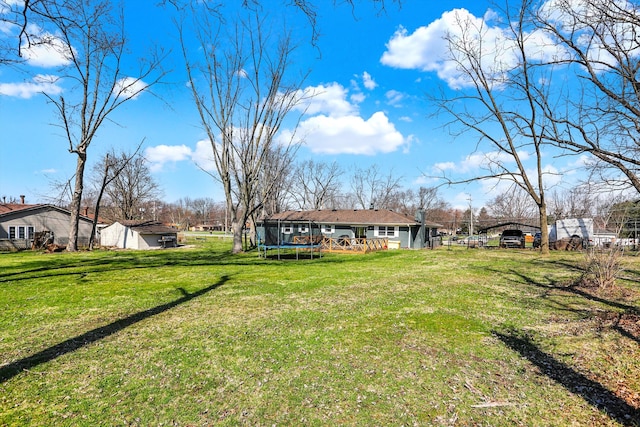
[20, 223]
[402, 231]
[138, 235]
[207, 227]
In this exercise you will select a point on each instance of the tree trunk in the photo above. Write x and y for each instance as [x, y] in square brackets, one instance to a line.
[236, 227]
[103, 185]
[76, 202]
[544, 230]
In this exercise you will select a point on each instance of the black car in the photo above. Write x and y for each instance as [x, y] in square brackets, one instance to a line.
[537, 240]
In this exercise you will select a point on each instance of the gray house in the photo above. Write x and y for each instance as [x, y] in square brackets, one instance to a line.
[402, 231]
[20, 223]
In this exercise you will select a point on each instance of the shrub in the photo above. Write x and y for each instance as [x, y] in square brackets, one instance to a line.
[602, 267]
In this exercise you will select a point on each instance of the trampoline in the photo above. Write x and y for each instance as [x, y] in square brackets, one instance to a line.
[275, 239]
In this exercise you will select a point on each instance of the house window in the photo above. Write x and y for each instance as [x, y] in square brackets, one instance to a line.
[21, 232]
[328, 229]
[303, 229]
[384, 231]
[287, 229]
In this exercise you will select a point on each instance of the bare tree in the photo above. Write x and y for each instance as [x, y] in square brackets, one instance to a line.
[276, 179]
[243, 94]
[179, 213]
[104, 173]
[371, 187]
[504, 101]
[577, 202]
[315, 184]
[90, 34]
[202, 209]
[59, 192]
[15, 18]
[131, 189]
[308, 8]
[409, 202]
[599, 113]
[514, 205]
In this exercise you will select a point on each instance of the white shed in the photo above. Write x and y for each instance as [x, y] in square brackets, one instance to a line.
[138, 235]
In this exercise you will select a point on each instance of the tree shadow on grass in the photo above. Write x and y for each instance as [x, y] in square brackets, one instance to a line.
[621, 317]
[575, 289]
[64, 265]
[72, 344]
[591, 391]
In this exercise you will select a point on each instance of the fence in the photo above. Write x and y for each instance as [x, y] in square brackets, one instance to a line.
[351, 245]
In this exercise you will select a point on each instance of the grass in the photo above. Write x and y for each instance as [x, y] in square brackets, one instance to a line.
[197, 336]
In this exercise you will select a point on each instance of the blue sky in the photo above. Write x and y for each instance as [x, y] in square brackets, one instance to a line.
[371, 71]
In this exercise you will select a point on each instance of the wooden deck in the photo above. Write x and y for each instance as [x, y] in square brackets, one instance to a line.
[354, 245]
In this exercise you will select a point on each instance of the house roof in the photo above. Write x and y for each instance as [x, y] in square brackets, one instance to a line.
[12, 208]
[148, 227]
[349, 217]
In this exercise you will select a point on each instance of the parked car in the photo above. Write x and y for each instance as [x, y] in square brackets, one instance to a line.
[512, 239]
[471, 241]
[537, 240]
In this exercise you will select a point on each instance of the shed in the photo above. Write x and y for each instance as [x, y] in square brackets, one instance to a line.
[139, 235]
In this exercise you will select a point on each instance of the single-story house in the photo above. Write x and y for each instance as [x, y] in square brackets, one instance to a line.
[138, 235]
[21, 222]
[402, 231]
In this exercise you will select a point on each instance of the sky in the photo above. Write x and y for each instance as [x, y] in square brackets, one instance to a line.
[372, 72]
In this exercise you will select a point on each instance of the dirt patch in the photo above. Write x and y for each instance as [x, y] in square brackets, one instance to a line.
[627, 323]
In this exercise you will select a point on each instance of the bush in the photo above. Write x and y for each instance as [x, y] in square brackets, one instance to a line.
[602, 267]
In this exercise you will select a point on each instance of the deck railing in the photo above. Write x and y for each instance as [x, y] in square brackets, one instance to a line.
[355, 244]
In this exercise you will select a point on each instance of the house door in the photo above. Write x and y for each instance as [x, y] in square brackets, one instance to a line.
[360, 232]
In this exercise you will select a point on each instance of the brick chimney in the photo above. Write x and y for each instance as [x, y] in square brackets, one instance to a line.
[22, 199]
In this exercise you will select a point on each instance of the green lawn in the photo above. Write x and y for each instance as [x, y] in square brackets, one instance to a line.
[197, 336]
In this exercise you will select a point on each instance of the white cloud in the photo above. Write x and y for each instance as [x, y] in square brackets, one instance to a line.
[47, 51]
[479, 160]
[40, 84]
[6, 7]
[203, 156]
[444, 166]
[333, 124]
[351, 134]
[159, 155]
[326, 99]
[129, 87]
[5, 27]
[368, 81]
[427, 48]
[357, 98]
[394, 98]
